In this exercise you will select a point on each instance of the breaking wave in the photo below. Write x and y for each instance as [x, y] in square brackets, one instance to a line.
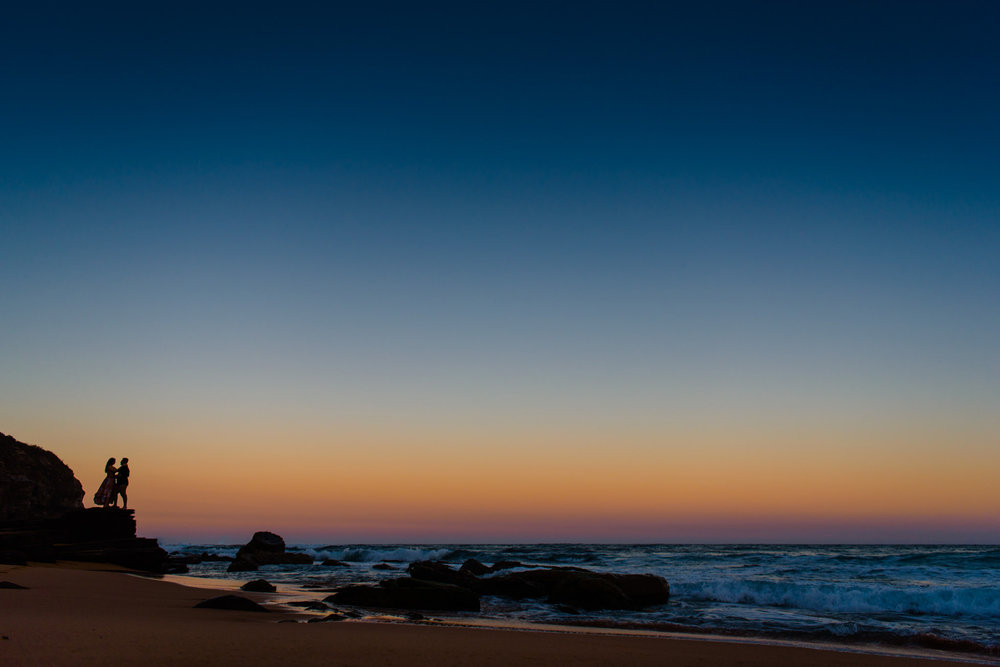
[374, 555]
[852, 598]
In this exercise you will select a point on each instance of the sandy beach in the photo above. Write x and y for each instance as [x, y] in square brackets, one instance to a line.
[75, 614]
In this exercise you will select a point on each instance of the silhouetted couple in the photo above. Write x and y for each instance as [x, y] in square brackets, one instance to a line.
[115, 484]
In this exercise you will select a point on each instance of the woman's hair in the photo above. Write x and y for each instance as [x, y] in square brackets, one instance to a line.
[110, 463]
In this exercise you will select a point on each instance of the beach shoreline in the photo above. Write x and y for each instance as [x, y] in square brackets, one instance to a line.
[73, 613]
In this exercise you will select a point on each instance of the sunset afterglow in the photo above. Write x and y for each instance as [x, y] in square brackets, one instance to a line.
[695, 278]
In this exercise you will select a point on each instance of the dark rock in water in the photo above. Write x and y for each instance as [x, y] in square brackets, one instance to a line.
[516, 588]
[580, 588]
[589, 591]
[505, 565]
[384, 566]
[645, 590]
[328, 618]
[35, 483]
[194, 559]
[528, 584]
[242, 564]
[265, 549]
[231, 602]
[175, 567]
[335, 563]
[265, 542]
[291, 559]
[407, 593]
[306, 604]
[218, 558]
[566, 609]
[415, 616]
[10, 584]
[474, 567]
[258, 586]
[432, 570]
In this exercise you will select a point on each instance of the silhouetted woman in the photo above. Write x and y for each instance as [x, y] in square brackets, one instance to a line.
[107, 489]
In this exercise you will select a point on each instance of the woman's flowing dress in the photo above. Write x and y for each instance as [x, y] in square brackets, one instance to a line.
[107, 488]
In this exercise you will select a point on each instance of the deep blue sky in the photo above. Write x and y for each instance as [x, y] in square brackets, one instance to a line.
[502, 213]
[884, 98]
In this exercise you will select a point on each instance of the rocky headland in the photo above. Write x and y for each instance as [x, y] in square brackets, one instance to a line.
[35, 483]
[42, 517]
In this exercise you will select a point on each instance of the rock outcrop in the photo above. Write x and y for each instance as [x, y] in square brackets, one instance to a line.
[581, 588]
[178, 563]
[329, 618]
[265, 548]
[35, 483]
[42, 517]
[473, 567]
[432, 570]
[433, 585]
[477, 569]
[572, 586]
[95, 534]
[408, 593]
[258, 586]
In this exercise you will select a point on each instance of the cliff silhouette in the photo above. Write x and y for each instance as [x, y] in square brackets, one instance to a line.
[35, 483]
[42, 517]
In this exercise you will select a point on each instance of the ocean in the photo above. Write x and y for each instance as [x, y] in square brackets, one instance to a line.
[932, 597]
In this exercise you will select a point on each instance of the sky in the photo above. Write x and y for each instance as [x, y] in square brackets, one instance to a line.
[510, 272]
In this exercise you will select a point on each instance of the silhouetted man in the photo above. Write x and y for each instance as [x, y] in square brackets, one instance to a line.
[121, 484]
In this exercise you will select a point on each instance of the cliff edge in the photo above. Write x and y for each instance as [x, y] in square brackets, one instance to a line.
[35, 483]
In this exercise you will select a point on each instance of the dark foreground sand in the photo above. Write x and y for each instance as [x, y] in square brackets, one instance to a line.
[91, 615]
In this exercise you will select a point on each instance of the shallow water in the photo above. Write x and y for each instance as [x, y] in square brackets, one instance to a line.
[945, 597]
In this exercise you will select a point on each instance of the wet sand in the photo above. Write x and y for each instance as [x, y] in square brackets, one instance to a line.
[76, 614]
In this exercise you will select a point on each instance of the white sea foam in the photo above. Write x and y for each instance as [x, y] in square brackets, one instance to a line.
[215, 549]
[374, 555]
[852, 598]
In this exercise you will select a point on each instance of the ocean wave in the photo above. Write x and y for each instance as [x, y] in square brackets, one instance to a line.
[375, 555]
[214, 549]
[850, 598]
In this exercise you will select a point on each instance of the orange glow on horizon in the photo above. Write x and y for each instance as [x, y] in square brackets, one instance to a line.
[545, 484]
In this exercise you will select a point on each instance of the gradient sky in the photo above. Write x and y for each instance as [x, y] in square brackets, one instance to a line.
[654, 272]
